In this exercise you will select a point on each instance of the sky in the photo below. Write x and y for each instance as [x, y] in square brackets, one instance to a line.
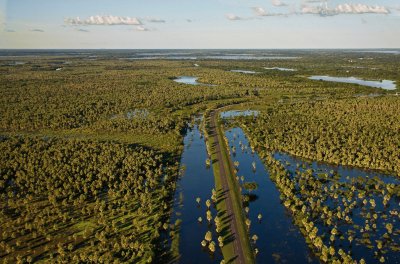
[192, 24]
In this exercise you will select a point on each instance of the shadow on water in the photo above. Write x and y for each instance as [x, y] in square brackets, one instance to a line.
[279, 240]
[196, 181]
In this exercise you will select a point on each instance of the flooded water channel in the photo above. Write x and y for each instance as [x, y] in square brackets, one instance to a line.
[197, 181]
[279, 239]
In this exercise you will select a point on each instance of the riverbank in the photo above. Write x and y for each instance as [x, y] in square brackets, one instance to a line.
[229, 204]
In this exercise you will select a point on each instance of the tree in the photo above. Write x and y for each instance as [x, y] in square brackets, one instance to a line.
[208, 236]
[250, 186]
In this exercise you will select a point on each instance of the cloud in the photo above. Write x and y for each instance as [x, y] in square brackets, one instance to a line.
[37, 30]
[361, 9]
[155, 20]
[278, 3]
[10, 30]
[141, 28]
[103, 21]
[315, 1]
[233, 17]
[344, 9]
[259, 11]
[312, 8]
[189, 20]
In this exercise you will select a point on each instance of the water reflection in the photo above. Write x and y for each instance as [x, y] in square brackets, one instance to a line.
[384, 84]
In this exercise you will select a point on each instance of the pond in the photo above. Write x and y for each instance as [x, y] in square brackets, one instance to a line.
[384, 84]
[244, 71]
[279, 240]
[279, 69]
[190, 80]
[236, 113]
[197, 181]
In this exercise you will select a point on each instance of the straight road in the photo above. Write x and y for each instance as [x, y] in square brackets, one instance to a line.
[237, 245]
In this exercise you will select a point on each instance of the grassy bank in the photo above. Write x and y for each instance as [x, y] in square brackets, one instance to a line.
[228, 250]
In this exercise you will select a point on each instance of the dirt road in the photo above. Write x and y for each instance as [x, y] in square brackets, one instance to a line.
[240, 258]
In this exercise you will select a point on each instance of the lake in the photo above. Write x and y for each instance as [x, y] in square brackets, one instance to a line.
[236, 113]
[190, 80]
[279, 69]
[244, 71]
[384, 84]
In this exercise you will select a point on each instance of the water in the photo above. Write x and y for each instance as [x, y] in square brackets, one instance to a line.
[279, 69]
[279, 240]
[394, 52]
[384, 84]
[236, 113]
[250, 57]
[348, 177]
[244, 71]
[346, 172]
[197, 181]
[190, 80]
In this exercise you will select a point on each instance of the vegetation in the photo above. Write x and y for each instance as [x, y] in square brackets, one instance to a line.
[342, 218]
[362, 132]
[90, 153]
[81, 200]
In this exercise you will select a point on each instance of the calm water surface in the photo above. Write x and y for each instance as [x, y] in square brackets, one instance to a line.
[384, 84]
[196, 181]
[190, 80]
[279, 240]
[347, 175]
[236, 113]
[244, 71]
[279, 69]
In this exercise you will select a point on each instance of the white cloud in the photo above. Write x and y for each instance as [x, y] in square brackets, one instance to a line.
[155, 20]
[104, 20]
[344, 9]
[361, 9]
[259, 11]
[37, 30]
[234, 17]
[278, 3]
[315, 1]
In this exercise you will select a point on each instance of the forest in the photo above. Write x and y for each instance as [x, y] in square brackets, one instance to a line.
[362, 132]
[91, 150]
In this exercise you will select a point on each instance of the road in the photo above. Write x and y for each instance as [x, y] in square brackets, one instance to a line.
[237, 245]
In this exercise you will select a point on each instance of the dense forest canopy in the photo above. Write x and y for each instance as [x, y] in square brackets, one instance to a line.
[363, 132]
